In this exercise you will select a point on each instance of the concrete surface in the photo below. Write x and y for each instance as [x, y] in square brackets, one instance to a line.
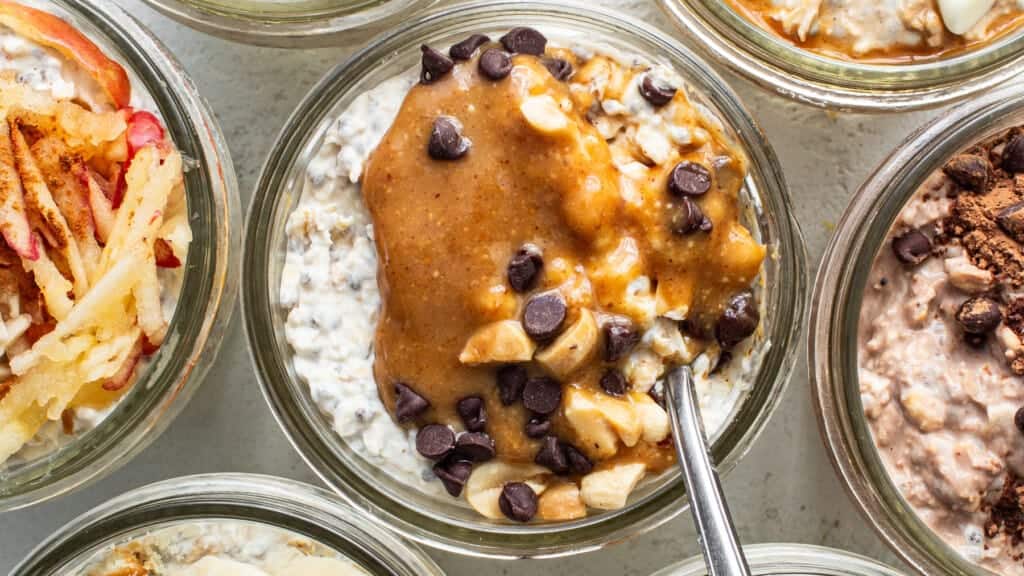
[785, 490]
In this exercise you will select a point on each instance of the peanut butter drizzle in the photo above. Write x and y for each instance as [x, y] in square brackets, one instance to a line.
[445, 232]
[759, 12]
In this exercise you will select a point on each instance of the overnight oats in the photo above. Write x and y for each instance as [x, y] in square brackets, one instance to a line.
[497, 256]
[896, 31]
[220, 548]
[95, 227]
[941, 352]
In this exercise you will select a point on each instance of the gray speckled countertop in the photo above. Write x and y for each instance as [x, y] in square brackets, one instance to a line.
[785, 490]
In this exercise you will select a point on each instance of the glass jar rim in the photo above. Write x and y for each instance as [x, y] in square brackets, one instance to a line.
[778, 65]
[835, 309]
[802, 559]
[211, 276]
[307, 23]
[270, 354]
[280, 503]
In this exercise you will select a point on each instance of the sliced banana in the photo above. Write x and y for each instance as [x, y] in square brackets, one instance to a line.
[483, 489]
[573, 348]
[960, 16]
[594, 434]
[653, 418]
[609, 489]
[502, 342]
[560, 503]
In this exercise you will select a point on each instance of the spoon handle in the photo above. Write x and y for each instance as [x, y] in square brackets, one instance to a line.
[715, 530]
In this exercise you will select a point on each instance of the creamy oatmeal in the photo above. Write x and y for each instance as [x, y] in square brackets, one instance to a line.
[941, 353]
[95, 229]
[563, 227]
[220, 548]
[888, 30]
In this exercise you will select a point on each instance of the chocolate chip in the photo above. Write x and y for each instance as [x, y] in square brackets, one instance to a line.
[979, 315]
[473, 413]
[1018, 419]
[688, 218]
[738, 321]
[538, 426]
[453, 474]
[446, 139]
[464, 50]
[620, 337]
[408, 404]
[560, 69]
[578, 462]
[544, 316]
[524, 268]
[689, 179]
[435, 441]
[1011, 220]
[474, 446]
[511, 381]
[1013, 154]
[542, 395]
[495, 64]
[912, 247]
[970, 171]
[552, 456]
[435, 65]
[655, 92]
[518, 502]
[614, 383]
[524, 40]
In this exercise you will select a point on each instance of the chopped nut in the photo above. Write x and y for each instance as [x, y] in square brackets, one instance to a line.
[609, 489]
[503, 342]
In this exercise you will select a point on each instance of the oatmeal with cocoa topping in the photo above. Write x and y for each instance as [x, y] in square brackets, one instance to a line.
[889, 31]
[486, 283]
[942, 353]
[220, 548]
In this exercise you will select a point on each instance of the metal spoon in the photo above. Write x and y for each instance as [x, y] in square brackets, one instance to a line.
[715, 530]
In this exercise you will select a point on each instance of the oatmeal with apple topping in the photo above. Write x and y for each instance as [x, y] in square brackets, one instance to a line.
[941, 353]
[892, 31]
[95, 228]
[220, 548]
[510, 261]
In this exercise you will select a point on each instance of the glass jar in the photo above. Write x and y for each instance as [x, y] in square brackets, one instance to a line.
[777, 64]
[293, 23]
[210, 279]
[838, 294]
[446, 524]
[792, 559]
[277, 503]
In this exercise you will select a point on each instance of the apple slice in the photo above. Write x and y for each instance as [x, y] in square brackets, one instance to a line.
[44, 210]
[148, 307]
[143, 129]
[50, 31]
[14, 223]
[124, 374]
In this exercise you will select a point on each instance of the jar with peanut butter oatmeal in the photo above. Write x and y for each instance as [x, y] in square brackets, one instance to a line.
[484, 256]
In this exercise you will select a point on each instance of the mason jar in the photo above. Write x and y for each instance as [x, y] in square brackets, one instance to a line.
[210, 274]
[777, 64]
[229, 500]
[792, 560]
[834, 320]
[447, 524]
[292, 24]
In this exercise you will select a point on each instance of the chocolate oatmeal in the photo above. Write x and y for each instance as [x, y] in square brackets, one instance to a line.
[941, 353]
